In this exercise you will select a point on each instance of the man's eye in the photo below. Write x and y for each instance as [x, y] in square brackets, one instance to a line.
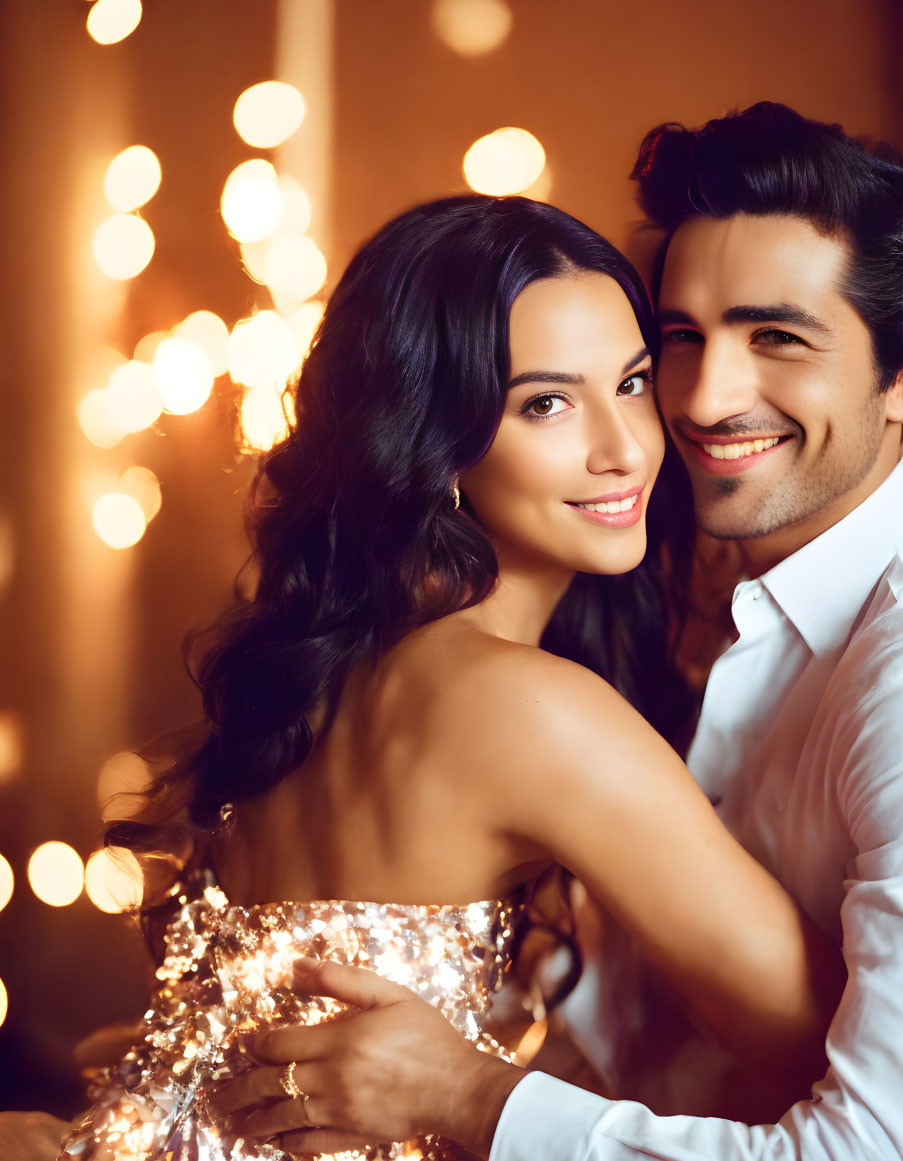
[682, 335]
[542, 406]
[636, 384]
[776, 338]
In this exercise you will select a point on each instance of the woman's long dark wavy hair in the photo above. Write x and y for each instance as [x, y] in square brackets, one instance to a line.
[402, 391]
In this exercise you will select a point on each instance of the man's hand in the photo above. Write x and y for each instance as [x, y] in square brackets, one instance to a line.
[396, 1071]
[30, 1136]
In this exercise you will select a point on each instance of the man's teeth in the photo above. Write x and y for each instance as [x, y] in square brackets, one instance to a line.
[612, 505]
[735, 451]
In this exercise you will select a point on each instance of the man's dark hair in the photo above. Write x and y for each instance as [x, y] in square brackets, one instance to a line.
[771, 160]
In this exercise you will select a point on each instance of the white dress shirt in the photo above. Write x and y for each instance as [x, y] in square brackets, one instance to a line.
[801, 737]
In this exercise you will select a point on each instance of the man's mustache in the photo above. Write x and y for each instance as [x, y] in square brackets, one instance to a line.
[741, 428]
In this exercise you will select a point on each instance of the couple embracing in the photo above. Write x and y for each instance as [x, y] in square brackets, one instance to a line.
[457, 673]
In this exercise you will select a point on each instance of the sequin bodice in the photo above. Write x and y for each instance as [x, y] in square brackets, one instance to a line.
[227, 972]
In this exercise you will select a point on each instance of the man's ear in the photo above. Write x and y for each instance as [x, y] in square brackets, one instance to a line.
[893, 400]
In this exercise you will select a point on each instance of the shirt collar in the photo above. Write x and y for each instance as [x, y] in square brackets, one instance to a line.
[822, 587]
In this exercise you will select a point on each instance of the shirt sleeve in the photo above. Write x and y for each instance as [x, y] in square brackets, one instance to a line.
[856, 1112]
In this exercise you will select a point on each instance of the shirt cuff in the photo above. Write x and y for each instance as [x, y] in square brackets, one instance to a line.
[544, 1117]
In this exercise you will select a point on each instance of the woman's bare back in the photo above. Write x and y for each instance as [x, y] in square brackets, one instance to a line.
[387, 807]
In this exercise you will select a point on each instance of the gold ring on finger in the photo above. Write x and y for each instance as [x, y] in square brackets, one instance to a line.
[288, 1083]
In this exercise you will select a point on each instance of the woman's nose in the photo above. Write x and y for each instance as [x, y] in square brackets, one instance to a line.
[614, 446]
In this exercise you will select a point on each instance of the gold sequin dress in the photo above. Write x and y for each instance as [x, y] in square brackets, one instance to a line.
[227, 972]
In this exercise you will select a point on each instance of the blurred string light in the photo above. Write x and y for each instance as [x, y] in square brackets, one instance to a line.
[110, 21]
[267, 410]
[4, 1002]
[142, 485]
[113, 880]
[56, 874]
[184, 375]
[133, 177]
[7, 882]
[146, 347]
[118, 519]
[265, 415]
[291, 266]
[96, 420]
[11, 745]
[262, 351]
[123, 245]
[208, 331]
[507, 161]
[133, 397]
[121, 784]
[251, 204]
[267, 114]
[303, 324]
[472, 27]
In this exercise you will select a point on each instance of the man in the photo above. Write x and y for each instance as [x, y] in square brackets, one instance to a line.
[781, 380]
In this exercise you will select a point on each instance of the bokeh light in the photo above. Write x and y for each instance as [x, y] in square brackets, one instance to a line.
[262, 351]
[472, 27]
[113, 880]
[251, 204]
[110, 21]
[120, 785]
[96, 419]
[4, 1002]
[264, 416]
[119, 520]
[143, 485]
[184, 375]
[123, 246]
[211, 334]
[303, 324]
[268, 114]
[133, 177]
[296, 207]
[56, 874]
[146, 347]
[134, 399]
[507, 161]
[292, 266]
[12, 745]
[7, 882]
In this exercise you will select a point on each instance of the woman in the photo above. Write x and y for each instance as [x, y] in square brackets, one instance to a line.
[451, 553]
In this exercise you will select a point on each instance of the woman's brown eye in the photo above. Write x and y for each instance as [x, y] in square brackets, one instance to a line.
[543, 406]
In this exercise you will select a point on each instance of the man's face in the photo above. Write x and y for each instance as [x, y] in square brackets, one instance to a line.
[768, 383]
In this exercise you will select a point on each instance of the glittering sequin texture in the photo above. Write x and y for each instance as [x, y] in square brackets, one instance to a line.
[227, 972]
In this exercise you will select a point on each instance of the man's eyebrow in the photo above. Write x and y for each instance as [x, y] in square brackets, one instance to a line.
[781, 312]
[546, 377]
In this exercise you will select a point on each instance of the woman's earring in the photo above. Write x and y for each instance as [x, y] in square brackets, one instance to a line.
[456, 496]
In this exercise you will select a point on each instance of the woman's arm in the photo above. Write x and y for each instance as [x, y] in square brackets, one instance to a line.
[591, 784]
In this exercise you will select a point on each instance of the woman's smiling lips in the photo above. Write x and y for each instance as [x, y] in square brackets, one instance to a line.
[616, 510]
[729, 456]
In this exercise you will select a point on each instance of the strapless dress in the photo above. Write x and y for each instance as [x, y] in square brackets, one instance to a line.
[227, 971]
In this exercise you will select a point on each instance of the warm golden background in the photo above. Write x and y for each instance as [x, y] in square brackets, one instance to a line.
[90, 634]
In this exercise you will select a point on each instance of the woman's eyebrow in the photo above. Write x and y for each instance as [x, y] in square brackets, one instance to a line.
[546, 377]
[641, 354]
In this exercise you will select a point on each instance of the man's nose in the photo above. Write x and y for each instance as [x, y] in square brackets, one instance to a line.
[720, 385]
[613, 445]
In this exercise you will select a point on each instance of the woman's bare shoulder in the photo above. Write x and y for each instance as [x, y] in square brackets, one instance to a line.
[496, 693]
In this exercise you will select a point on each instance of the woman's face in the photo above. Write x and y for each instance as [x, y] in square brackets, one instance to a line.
[568, 476]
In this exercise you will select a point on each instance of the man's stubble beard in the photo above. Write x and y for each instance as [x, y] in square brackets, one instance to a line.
[790, 504]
